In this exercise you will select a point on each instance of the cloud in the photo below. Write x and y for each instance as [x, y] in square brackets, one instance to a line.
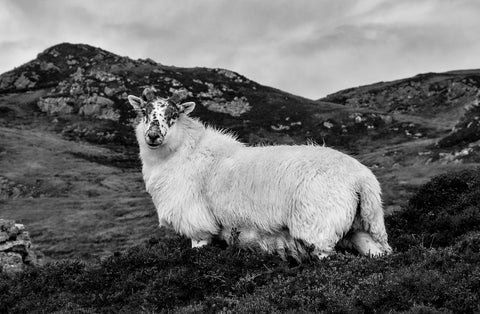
[310, 48]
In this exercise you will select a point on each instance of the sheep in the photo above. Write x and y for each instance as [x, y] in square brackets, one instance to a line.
[205, 184]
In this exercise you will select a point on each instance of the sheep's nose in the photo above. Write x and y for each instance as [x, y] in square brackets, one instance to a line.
[153, 137]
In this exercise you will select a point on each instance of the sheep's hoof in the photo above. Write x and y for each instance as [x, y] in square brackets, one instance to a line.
[322, 254]
[199, 243]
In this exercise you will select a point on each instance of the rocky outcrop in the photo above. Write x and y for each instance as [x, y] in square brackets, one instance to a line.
[99, 107]
[11, 189]
[467, 130]
[235, 107]
[16, 252]
[23, 82]
[232, 75]
[90, 93]
[214, 97]
[11, 80]
[56, 105]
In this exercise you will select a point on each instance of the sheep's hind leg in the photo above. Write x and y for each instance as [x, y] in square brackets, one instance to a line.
[364, 243]
[323, 240]
[199, 243]
[322, 231]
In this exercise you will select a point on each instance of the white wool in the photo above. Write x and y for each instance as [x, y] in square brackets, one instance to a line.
[205, 183]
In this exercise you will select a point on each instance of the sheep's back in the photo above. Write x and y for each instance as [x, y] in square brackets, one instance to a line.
[256, 185]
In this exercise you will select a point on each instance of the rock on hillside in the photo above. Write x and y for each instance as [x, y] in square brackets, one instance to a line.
[15, 247]
[467, 130]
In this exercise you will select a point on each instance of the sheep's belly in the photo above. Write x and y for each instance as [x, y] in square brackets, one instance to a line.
[280, 241]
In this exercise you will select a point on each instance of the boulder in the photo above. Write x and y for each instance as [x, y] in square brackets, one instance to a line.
[99, 107]
[11, 189]
[109, 92]
[235, 107]
[11, 262]
[16, 252]
[103, 76]
[6, 80]
[56, 105]
[23, 82]
[48, 66]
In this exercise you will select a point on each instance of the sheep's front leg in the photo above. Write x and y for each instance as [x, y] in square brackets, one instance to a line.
[199, 243]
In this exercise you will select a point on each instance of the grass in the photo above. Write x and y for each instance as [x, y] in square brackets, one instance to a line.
[435, 269]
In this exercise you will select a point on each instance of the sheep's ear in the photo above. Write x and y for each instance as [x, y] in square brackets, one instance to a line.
[187, 107]
[136, 102]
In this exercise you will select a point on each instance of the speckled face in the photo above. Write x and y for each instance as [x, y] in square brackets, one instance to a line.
[159, 117]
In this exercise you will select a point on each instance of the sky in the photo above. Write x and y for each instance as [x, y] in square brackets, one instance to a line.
[306, 47]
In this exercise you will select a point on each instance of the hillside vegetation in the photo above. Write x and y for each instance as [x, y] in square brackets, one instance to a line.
[435, 269]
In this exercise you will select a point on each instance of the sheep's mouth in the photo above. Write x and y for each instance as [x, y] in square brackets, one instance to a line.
[154, 145]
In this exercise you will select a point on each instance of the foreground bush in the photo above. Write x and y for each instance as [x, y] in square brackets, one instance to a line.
[168, 276]
[442, 210]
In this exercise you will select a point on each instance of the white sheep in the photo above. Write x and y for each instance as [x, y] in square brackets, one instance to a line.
[205, 184]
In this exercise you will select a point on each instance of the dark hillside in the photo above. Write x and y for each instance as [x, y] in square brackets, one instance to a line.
[448, 99]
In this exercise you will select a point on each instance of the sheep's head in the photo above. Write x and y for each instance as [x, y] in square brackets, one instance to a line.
[158, 115]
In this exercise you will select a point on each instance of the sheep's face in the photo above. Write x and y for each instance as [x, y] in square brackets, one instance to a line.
[158, 115]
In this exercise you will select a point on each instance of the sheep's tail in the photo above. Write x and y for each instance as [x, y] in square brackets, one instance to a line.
[368, 234]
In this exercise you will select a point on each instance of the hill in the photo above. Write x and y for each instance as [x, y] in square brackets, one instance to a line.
[449, 100]
[68, 158]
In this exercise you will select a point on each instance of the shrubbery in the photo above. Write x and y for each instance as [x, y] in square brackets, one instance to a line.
[442, 210]
[466, 131]
[435, 268]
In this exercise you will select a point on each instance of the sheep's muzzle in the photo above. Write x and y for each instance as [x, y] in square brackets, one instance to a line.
[154, 137]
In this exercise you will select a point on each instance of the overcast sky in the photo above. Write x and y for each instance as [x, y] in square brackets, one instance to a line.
[310, 48]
